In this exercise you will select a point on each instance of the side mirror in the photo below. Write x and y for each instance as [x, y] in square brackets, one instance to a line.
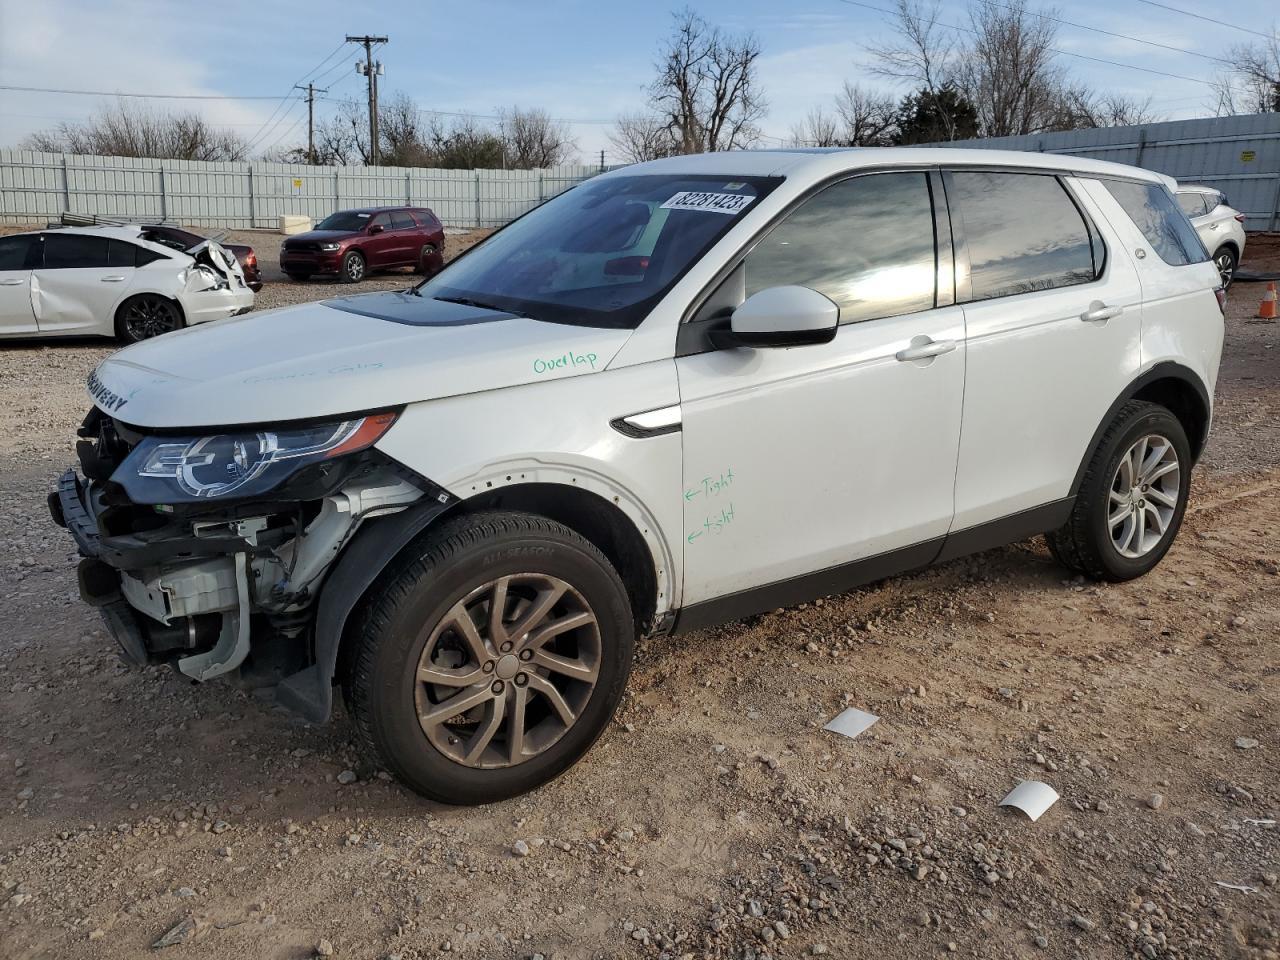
[376, 228]
[790, 316]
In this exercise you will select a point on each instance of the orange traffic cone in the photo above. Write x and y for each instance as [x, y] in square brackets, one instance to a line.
[1267, 308]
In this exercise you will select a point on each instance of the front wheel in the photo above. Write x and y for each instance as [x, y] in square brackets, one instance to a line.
[1132, 498]
[353, 267]
[1225, 260]
[147, 315]
[490, 661]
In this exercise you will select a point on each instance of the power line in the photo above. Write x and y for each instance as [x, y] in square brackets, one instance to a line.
[265, 131]
[1188, 13]
[144, 96]
[1065, 53]
[490, 116]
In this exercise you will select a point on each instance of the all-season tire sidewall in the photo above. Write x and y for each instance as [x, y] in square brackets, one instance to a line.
[1235, 263]
[1114, 565]
[122, 330]
[392, 716]
[345, 274]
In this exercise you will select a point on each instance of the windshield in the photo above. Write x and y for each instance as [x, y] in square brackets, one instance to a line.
[346, 220]
[603, 253]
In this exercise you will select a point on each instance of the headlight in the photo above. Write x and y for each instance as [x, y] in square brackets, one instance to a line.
[162, 469]
[330, 247]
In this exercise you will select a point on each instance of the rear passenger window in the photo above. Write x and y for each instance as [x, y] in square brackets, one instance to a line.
[13, 252]
[1192, 204]
[121, 253]
[867, 243]
[1023, 232]
[1152, 209]
[400, 220]
[70, 250]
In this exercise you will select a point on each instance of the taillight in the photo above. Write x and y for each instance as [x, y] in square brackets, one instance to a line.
[251, 259]
[1240, 217]
[1221, 294]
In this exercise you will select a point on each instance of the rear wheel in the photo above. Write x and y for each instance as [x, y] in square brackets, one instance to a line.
[1132, 498]
[353, 267]
[428, 251]
[1226, 261]
[489, 662]
[147, 315]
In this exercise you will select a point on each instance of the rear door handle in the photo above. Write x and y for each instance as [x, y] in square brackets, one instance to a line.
[112, 279]
[922, 348]
[1099, 312]
[11, 282]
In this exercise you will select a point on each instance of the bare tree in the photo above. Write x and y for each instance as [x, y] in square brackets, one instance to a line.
[925, 51]
[1008, 73]
[706, 88]
[401, 132]
[638, 137]
[1252, 82]
[868, 117]
[532, 139]
[818, 129]
[129, 130]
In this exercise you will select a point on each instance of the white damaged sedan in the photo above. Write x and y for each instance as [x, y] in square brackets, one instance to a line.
[110, 281]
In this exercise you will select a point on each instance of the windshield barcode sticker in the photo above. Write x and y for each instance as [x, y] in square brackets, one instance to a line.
[730, 203]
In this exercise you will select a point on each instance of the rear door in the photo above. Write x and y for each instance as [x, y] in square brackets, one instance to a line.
[16, 314]
[1053, 314]
[407, 235]
[80, 282]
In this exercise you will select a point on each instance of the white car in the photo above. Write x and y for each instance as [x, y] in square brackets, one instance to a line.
[1220, 228]
[112, 281]
[681, 393]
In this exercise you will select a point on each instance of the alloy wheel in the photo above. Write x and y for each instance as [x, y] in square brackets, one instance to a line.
[1144, 496]
[355, 268]
[1226, 264]
[148, 317]
[508, 671]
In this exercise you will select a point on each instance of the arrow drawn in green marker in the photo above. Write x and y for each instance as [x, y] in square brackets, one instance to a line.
[694, 535]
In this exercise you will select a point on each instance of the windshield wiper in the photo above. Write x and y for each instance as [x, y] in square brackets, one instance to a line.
[468, 302]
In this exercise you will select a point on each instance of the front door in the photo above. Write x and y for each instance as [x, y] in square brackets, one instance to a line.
[79, 282]
[803, 460]
[16, 314]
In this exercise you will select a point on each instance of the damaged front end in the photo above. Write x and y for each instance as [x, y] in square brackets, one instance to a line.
[209, 551]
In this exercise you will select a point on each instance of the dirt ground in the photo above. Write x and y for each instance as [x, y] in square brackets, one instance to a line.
[716, 818]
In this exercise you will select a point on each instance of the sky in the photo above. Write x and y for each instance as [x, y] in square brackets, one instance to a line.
[584, 61]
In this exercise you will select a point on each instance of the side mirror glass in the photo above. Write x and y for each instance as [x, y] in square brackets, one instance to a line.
[790, 316]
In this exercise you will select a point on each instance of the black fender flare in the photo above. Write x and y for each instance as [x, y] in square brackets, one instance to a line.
[379, 540]
[1165, 370]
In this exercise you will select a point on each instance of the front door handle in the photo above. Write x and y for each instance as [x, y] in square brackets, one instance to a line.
[922, 348]
[1099, 312]
[112, 279]
[11, 282]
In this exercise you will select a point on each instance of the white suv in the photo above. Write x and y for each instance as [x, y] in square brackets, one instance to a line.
[1219, 227]
[678, 394]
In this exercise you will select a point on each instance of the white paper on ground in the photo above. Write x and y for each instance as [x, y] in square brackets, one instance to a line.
[1031, 797]
[1236, 886]
[851, 722]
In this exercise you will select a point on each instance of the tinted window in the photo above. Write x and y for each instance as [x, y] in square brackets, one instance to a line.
[603, 253]
[1161, 221]
[144, 256]
[66, 250]
[1024, 233]
[425, 217]
[121, 253]
[346, 220]
[1192, 204]
[867, 243]
[381, 220]
[400, 220]
[13, 252]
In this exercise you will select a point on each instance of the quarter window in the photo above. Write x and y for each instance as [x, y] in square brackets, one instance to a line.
[1192, 204]
[867, 243]
[400, 220]
[71, 250]
[1153, 211]
[121, 253]
[1023, 233]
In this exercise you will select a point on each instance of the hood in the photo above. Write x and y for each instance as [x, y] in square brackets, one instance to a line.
[322, 236]
[336, 357]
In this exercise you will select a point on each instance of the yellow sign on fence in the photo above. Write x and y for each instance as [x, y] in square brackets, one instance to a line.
[1248, 156]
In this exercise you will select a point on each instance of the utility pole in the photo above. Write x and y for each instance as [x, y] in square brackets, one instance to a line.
[311, 120]
[602, 161]
[372, 70]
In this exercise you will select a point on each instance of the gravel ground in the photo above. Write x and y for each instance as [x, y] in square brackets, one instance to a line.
[715, 819]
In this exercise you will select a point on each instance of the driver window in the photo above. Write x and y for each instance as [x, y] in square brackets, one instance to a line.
[867, 243]
[381, 220]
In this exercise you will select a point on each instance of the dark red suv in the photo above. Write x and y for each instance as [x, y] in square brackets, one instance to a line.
[352, 243]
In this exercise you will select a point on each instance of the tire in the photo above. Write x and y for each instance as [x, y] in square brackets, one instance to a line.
[1225, 259]
[147, 315]
[354, 268]
[411, 622]
[1150, 508]
[299, 276]
[428, 250]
